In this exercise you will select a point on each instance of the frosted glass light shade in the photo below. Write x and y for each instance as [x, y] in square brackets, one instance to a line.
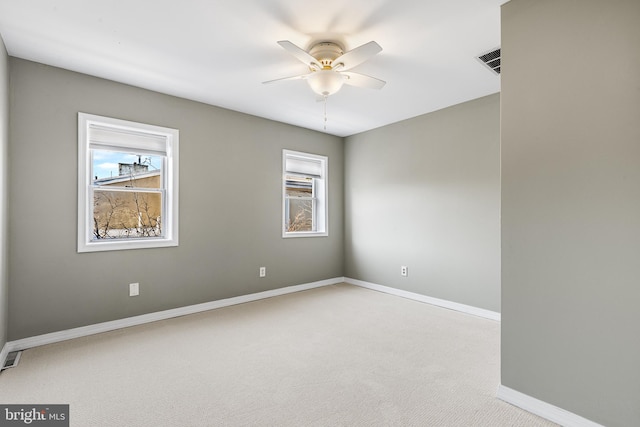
[325, 82]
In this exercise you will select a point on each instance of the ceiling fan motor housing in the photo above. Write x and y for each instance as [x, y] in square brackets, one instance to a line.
[325, 53]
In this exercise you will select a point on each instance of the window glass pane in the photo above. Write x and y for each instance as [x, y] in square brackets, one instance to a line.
[299, 186]
[126, 214]
[114, 168]
[300, 215]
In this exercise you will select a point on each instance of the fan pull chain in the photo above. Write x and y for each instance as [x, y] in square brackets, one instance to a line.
[325, 112]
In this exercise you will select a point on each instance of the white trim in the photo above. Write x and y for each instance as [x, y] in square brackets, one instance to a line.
[3, 354]
[321, 195]
[148, 134]
[543, 409]
[84, 331]
[468, 309]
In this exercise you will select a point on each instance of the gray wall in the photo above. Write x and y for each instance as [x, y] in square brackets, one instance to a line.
[230, 206]
[425, 193]
[571, 205]
[4, 144]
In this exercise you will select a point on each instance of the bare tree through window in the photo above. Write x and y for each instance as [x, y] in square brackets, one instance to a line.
[121, 213]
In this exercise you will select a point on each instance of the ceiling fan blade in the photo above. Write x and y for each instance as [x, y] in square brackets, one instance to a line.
[357, 56]
[299, 53]
[362, 80]
[300, 77]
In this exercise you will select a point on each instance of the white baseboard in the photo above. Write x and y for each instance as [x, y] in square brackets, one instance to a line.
[543, 409]
[481, 312]
[53, 337]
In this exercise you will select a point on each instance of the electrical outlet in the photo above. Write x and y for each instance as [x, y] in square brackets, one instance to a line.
[134, 289]
[404, 271]
[263, 271]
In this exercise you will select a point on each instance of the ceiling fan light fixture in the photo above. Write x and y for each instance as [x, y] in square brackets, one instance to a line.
[325, 82]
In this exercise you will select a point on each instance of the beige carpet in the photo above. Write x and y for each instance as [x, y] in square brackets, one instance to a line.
[334, 356]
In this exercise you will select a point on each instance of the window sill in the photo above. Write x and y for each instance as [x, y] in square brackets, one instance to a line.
[120, 245]
[305, 234]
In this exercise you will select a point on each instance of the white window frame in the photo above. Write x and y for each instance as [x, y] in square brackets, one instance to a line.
[320, 193]
[88, 125]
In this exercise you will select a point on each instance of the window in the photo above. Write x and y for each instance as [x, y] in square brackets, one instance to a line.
[304, 195]
[127, 185]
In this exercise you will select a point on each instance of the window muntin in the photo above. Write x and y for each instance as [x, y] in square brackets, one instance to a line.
[127, 185]
[304, 194]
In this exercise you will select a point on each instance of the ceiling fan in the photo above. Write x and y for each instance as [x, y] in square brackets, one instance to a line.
[329, 66]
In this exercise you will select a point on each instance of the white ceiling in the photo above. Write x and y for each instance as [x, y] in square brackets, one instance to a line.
[220, 51]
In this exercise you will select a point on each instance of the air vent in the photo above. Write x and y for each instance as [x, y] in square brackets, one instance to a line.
[12, 360]
[492, 60]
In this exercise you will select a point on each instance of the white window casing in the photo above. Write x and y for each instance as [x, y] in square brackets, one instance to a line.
[97, 134]
[310, 172]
